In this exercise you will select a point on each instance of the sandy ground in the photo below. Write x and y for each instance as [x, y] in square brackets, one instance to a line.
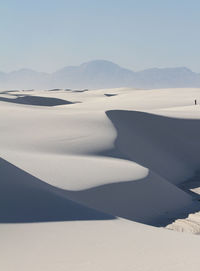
[94, 180]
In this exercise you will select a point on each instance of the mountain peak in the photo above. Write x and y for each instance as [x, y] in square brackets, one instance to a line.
[101, 74]
[99, 64]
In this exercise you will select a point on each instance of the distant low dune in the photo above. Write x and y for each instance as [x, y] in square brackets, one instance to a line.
[36, 100]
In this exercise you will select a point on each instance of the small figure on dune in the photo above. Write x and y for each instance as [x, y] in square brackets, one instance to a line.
[195, 102]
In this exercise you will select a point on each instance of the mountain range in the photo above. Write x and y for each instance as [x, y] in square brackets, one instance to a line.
[100, 74]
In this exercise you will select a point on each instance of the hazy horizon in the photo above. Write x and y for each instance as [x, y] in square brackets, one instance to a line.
[48, 35]
[94, 60]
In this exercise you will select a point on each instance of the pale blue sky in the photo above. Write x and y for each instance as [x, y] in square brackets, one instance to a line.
[46, 35]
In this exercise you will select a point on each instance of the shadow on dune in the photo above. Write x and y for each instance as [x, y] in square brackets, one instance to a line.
[170, 149]
[110, 95]
[168, 146]
[80, 91]
[24, 198]
[150, 200]
[36, 100]
[9, 91]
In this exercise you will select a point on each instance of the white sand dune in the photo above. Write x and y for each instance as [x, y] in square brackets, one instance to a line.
[26, 199]
[33, 100]
[158, 142]
[96, 245]
[118, 153]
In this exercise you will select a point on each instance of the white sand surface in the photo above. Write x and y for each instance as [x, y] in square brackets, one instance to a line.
[105, 245]
[79, 179]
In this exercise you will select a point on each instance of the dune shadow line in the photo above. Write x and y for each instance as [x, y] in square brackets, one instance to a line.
[169, 148]
[24, 198]
[36, 100]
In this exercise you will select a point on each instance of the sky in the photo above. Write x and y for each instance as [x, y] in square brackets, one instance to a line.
[46, 35]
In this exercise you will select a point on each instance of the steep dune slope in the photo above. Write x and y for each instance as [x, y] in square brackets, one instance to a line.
[168, 146]
[26, 199]
[103, 151]
[103, 154]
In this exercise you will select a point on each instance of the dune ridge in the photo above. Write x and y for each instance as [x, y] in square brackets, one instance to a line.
[34, 100]
[27, 199]
[109, 181]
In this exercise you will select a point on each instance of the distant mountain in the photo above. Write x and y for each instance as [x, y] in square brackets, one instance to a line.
[100, 74]
[94, 74]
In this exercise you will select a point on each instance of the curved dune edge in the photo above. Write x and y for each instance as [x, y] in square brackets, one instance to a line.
[25, 198]
[34, 100]
[135, 200]
[146, 139]
[39, 142]
[153, 199]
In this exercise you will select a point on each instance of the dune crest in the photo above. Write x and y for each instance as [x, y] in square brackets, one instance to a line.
[109, 180]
